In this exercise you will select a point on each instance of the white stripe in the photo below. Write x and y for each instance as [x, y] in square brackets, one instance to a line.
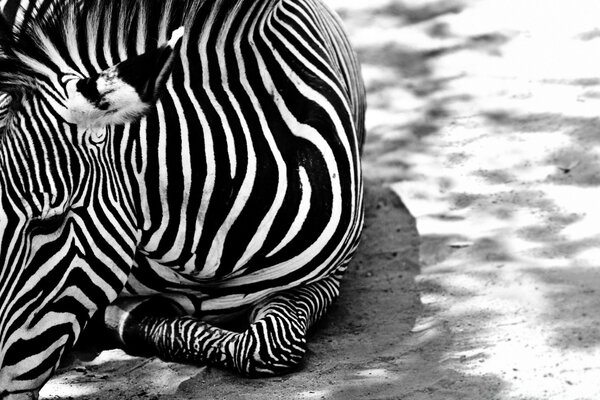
[142, 29]
[174, 253]
[121, 35]
[301, 215]
[108, 34]
[222, 62]
[140, 174]
[92, 40]
[163, 179]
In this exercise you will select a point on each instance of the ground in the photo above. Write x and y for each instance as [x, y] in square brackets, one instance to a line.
[478, 277]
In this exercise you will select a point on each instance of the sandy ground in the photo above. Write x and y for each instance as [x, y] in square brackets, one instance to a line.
[483, 121]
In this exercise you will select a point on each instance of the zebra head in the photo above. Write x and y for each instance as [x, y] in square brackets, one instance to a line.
[67, 220]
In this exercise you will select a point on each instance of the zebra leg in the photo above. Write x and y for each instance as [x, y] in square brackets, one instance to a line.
[273, 344]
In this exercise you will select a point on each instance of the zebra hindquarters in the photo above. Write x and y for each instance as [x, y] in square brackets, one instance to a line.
[273, 344]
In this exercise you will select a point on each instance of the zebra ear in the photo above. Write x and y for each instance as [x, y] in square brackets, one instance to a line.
[124, 92]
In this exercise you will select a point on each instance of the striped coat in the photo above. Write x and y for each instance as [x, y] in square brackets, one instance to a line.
[214, 170]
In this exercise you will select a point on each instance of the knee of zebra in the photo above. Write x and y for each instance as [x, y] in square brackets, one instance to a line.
[122, 319]
[273, 345]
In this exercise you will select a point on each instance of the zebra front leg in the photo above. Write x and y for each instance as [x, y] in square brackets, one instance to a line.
[273, 344]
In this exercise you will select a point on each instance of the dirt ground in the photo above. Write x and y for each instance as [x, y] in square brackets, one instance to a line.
[484, 122]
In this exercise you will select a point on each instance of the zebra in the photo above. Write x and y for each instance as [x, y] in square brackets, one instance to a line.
[187, 170]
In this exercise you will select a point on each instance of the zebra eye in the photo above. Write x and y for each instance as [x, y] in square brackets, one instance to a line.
[47, 225]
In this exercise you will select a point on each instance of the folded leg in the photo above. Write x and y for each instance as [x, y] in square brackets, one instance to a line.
[274, 342]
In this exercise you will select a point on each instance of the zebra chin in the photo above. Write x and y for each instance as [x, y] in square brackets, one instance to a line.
[59, 291]
[21, 379]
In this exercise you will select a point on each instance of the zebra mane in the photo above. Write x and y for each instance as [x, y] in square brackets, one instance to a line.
[15, 76]
[83, 37]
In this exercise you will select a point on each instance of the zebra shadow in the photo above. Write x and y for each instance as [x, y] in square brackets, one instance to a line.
[372, 344]
[377, 307]
[378, 341]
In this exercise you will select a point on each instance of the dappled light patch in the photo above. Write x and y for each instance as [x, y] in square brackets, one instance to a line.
[313, 394]
[573, 293]
[503, 186]
[115, 374]
[65, 389]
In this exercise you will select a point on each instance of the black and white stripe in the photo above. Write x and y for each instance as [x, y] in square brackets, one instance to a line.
[242, 183]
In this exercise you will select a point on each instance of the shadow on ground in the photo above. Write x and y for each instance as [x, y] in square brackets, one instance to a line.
[575, 300]
[369, 345]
